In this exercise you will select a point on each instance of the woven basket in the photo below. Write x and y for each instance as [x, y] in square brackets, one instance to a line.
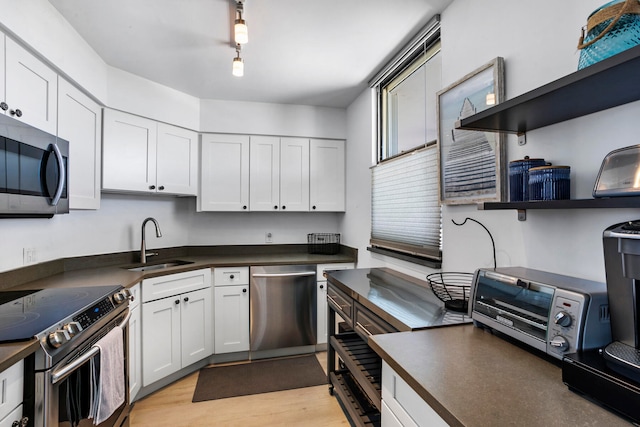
[611, 29]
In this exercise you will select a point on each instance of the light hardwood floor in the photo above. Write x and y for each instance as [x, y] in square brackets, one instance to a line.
[171, 406]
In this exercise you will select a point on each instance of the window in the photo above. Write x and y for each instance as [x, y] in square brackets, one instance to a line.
[405, 207]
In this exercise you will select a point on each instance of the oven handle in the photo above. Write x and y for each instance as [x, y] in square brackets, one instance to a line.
[62, 373]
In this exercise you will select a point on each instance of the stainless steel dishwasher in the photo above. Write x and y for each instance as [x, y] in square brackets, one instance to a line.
[283, 306]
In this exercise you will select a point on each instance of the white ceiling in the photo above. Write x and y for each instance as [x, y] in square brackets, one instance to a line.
[308, 52]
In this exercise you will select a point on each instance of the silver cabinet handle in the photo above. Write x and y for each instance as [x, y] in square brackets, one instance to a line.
[67, 370]
[296, 274]
[330, 298]
[361, 326]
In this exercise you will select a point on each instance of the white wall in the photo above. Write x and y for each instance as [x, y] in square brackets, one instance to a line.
[272, 119]
[538, 42]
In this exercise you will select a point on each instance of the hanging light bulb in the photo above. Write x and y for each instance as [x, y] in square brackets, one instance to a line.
[240, 30]
[238, 63]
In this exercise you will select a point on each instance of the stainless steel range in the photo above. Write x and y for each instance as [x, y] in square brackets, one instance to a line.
[67, 322]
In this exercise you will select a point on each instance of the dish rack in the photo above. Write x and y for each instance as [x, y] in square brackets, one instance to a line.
[452, 288]
[323, 243]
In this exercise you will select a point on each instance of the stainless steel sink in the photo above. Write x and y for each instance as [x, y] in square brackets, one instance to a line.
[160, 266]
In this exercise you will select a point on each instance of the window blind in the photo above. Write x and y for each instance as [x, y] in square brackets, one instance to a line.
[405, 206]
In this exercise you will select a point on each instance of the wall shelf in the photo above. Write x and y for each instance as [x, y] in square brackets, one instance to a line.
[522, 207]
[605, 84]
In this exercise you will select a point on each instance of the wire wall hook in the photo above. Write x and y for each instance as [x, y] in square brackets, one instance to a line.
[493, 243]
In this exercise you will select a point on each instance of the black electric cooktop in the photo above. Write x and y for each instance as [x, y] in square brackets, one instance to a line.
[24, 314]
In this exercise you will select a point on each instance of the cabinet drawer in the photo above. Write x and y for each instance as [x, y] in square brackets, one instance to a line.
[11, 388]
[365, 323]
[407, 405]
[225, 276]
[174, 284]
[340, 302]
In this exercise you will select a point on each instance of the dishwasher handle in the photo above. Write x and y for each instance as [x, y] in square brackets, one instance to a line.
[295, 274]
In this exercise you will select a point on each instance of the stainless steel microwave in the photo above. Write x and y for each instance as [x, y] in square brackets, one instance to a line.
[33, 171]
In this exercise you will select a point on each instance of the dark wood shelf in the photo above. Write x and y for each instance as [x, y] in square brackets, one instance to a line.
[610, 202]
[605, 84]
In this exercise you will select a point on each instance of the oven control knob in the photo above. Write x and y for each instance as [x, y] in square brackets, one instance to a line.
[57, 338]
[559, 342]
[122, 296]
[562, 318]
[73, 328]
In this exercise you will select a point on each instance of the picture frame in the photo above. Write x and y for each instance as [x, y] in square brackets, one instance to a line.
[471, 162]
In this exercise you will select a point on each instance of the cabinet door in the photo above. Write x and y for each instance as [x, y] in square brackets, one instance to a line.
[264, 173]
[161, 353]
[80, 123]
[294, 174]
[405, 404]
[13, 419]
[135, 353]
[231, 318]
[327, 175]
[197, 342]
[322, 312]
[177, 160]
[129, 152]
[11, 388]
[31, 87]
[224, 173]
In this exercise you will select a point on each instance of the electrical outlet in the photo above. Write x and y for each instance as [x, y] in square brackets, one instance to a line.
[29, 256]
[268, 237]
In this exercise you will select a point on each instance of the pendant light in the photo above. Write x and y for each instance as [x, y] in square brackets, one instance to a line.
[238, 63]
[240, 30]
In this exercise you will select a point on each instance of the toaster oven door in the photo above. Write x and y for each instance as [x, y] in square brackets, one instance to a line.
[513, 306]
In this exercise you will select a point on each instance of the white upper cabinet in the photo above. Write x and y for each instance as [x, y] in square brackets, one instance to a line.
[264, 173]
[29, 87]
[224, 173]
[279, 174]
[327, 175]
[294, 174]
[80, 123]
[142, 155]
[177, 160]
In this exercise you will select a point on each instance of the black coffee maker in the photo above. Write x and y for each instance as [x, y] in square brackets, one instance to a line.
[622, 267]
[611, 375]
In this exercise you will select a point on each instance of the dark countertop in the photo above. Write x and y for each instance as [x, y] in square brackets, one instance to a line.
[472, 378]
[403, 301]
[111, 269]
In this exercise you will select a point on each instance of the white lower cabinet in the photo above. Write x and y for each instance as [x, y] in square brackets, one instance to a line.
[177, 327]
[231, 308]
[11, 391]
[322, 297]
[13, 419]
[402, 406]
[135, 344]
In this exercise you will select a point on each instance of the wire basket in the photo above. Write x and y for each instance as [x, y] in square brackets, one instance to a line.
[452, 288]
[323, 243]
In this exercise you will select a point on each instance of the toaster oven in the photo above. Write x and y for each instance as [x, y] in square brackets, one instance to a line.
[552, 313]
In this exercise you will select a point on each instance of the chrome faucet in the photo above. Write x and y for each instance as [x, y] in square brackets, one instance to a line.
[143, 251]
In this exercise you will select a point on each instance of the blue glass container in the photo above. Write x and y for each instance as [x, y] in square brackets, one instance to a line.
[550, 183]
[625, 34]
[519, 178]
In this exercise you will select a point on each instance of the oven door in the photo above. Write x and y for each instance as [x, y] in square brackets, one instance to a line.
[65, 390]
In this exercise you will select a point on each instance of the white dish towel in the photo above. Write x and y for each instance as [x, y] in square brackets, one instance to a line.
[107, 376]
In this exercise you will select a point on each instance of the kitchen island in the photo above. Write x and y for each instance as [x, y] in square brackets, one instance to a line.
[473, 378]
